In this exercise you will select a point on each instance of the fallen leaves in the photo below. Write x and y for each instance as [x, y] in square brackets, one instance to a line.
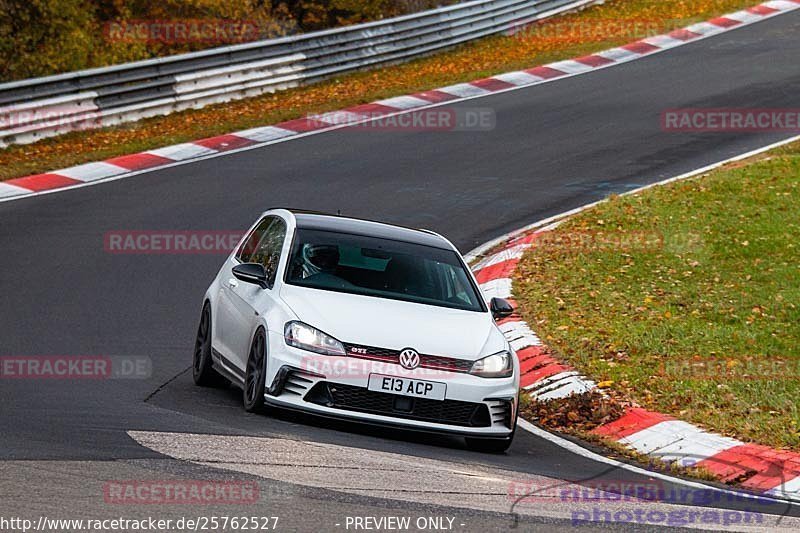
[582, 412]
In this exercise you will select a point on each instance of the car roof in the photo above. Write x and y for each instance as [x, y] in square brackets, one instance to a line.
[369, 228]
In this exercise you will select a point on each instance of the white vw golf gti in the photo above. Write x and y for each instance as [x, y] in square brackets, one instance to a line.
[359, 320]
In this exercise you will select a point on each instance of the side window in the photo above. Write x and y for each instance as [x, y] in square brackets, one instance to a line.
[264, 245]
[251, 242]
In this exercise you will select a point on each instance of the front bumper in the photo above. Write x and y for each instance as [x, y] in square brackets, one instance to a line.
[337, 387]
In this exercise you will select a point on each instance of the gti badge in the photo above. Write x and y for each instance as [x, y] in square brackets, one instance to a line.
[409, 359]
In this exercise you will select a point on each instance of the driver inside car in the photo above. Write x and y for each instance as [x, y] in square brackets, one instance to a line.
[320, 263]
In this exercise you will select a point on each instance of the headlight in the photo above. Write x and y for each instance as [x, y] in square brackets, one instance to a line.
[305, 337]
[499, 365]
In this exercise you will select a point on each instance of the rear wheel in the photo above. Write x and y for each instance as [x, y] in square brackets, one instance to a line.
[255, 374]
[202, 369]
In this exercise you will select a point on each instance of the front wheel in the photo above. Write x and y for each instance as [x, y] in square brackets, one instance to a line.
[202, 369]
[255, 374]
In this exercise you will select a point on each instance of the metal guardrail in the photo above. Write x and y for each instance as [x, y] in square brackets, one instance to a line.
[43, 107]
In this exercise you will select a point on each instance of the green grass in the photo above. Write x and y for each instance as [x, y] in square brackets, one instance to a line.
[685, 296]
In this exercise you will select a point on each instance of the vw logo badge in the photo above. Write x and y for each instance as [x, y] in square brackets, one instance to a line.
[409, 359]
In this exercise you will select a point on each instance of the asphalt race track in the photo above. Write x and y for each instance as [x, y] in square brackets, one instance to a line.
[555, 147]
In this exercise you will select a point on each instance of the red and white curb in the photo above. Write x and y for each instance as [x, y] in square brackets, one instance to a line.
[542, 376]
[123, 166]
[752, 466]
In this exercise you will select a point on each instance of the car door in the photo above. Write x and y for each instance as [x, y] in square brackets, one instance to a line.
[226, 315]
[240, 297]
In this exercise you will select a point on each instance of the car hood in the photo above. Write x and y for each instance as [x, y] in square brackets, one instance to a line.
[394, 324]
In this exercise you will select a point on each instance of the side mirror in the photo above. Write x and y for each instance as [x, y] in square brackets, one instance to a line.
[500, 308]
[252, 273]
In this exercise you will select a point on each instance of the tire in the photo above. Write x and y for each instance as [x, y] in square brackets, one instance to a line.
[202, 369]
[490, 445]
[255, 374]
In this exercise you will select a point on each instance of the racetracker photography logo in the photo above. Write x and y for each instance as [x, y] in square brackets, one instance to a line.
[622, 501]
[608, 491]
[174, 491]
[721, 120]
[680, 517]
[157, 242]
[75, 367]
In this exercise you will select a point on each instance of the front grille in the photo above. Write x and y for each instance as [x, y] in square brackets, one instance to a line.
[348, 397]
[445, 363]
[393, 356]
[370, 352]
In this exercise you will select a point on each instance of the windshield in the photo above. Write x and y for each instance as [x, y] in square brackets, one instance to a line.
[383, 268]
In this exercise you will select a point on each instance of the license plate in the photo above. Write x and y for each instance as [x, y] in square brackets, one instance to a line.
[407, 387]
